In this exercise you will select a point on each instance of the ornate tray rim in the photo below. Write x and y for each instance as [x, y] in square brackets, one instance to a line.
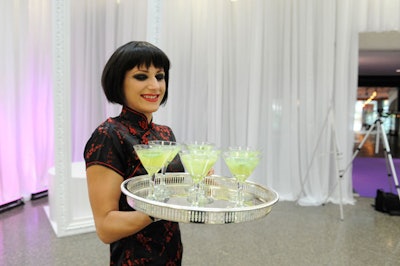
[203, 209]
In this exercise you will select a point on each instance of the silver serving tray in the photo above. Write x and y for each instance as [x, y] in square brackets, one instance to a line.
[259, 200]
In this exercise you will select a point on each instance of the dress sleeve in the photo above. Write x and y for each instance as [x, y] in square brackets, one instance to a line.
[105, 148]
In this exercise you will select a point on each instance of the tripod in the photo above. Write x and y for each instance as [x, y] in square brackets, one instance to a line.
[328, 123]
[388, 156]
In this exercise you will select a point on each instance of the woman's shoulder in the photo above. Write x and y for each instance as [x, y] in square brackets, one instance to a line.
[163, 129]
[106, 131]
[163, 132]
[110, 125]
[159, 127]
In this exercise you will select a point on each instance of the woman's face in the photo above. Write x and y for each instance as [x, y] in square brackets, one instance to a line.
[144, 88]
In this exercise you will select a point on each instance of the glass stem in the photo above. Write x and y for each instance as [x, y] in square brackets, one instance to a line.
[196, 189]
[240, 199]
[202, 187]
[162, 179]
[152, 194]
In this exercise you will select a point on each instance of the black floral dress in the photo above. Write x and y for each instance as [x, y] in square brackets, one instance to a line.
[111, 145]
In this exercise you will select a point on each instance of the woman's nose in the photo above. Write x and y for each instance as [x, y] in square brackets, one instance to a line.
[154, 83]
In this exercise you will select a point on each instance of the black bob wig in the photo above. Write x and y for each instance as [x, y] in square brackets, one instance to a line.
[126, 57]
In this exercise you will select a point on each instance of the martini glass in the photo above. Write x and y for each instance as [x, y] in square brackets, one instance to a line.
[198, 163]
[241, 162]
[153, 158]
[173, 148]
[199, 145]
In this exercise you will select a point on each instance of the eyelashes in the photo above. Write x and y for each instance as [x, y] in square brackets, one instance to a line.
[143, 77]
[160, 77]
[140, 77]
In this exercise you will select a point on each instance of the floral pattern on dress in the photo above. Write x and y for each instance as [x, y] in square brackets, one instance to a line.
[111, 145]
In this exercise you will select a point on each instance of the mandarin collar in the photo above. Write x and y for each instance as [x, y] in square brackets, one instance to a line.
[135, 118]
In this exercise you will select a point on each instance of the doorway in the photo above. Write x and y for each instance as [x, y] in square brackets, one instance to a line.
[377, 98]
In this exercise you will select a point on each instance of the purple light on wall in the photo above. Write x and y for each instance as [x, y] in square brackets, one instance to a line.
[26, 143]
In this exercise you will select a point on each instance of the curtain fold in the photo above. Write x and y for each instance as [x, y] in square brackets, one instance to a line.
[26, 140]
[279, 75]
[277, 70]
[98, 28]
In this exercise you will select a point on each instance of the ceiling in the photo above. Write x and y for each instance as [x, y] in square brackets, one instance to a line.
[376, 93]
[379, 58]
[379, 54]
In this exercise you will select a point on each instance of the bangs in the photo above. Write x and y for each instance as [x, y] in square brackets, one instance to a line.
[147, 56]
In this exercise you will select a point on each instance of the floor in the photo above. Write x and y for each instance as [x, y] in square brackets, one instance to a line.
[370, 167]
[289, 235]
[369, 147]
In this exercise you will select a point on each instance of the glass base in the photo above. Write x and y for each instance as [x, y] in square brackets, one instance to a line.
[197, 197]
[160, 193]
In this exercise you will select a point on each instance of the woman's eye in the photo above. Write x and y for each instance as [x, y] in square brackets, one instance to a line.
[140, 77]
[160, 76]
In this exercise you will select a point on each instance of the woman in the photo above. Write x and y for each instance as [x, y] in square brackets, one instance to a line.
[136, 77]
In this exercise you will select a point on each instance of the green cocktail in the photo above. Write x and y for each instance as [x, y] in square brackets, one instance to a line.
[241, 163]
[153, 159]
[173, 148]
[173, 152]
[198, 163]
[241, 167]
[200, 145]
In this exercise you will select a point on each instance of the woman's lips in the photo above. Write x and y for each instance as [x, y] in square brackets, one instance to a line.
[150, 97]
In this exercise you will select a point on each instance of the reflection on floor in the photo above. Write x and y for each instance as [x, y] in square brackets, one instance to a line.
[369, 147]
[289, 235]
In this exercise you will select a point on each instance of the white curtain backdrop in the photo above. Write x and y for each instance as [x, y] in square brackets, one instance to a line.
[280, 75]
[261, 74]
[26, 117]
[98, 28]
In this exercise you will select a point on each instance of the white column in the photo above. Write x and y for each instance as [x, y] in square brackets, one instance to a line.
[153, 21]
[63, 210]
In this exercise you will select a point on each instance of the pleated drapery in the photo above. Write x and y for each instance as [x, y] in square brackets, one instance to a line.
[280, 75]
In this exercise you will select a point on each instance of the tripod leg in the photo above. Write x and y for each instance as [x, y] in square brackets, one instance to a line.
[378, 130]
[338, 157]
[390, 159]
[341, 173]
[389, 171]
[359, 148]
